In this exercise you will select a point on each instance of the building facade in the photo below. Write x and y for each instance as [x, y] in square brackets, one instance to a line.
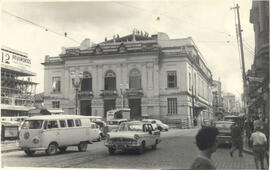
[258, 75]
[17, 87]
[217, 99]
[154, 76]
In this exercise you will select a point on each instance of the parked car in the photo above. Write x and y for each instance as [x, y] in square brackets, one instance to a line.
[113, 124]
[224, 128]
[102, 127]
[157, 124]
[134, 135]
[206, 123]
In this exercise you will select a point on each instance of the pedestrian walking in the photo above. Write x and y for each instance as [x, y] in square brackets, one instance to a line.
[237, 139]
[206, 142]
[265, 131]
[259, 146]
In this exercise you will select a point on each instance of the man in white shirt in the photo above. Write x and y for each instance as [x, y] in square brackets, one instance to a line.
[259, 147]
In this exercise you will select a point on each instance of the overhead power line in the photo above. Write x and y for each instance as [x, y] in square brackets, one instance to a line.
[65, 34]
[171, 17]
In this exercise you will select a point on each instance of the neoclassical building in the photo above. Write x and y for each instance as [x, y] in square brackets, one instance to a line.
[154, 76]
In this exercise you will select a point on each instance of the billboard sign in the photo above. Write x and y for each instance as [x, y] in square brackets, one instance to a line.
[15, 59]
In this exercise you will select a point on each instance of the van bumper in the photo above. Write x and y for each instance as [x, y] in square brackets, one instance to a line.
[32, 148]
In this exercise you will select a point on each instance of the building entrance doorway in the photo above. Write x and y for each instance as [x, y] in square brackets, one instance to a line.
[86, 108]
[109, 104]
[135, 108]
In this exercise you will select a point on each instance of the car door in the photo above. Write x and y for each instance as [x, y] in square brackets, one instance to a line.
[151, 135]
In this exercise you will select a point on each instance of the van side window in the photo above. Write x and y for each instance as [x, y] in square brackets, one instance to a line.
[78, 122]
[62, 123]
[52, 124]
[92, 126]
[70, 123]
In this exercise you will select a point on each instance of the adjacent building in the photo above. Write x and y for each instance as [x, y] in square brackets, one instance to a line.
[17, 87]
[154, 76]
[258, 75]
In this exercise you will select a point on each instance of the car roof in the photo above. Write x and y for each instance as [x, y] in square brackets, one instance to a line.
[51, 117]
[224, 122]
[117, 120]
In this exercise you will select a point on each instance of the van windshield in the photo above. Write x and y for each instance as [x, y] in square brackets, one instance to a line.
[32, 124]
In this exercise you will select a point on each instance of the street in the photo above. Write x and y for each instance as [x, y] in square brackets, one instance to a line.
[177, 150]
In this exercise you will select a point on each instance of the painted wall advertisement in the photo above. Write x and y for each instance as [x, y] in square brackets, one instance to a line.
[10, 58]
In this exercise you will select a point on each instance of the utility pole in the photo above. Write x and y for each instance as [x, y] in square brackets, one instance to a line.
[239, 34]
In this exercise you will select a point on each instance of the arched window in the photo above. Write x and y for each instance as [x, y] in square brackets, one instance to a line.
[86, 84]
[134, 79]
[110, 81]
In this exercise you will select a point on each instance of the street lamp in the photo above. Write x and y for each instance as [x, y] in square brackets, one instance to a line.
[76, 82]
[123, 88]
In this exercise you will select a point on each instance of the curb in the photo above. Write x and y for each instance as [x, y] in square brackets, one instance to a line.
[9, 150]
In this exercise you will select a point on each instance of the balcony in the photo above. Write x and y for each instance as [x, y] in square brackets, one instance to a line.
[134, 92]
[85, 94]
[107, 93]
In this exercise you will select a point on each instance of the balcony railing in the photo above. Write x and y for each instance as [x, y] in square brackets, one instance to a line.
[85, 93]
[108, 93]
[134, 92]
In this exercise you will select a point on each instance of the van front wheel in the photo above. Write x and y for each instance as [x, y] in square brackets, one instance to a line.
[52, 149]
[82, 147]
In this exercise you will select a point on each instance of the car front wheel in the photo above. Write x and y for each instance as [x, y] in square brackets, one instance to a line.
[111, 150]
[142, 148]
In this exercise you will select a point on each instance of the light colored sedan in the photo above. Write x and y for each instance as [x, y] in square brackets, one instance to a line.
[157, 124]
[133, 135]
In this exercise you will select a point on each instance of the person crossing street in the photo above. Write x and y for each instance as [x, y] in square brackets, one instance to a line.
[237, 140]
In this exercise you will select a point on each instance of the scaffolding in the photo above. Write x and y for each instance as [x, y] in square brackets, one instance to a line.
[17, 92]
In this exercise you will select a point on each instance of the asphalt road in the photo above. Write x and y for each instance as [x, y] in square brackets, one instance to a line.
[177, 150]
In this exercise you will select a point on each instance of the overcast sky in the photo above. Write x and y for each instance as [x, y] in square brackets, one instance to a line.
[211, 24]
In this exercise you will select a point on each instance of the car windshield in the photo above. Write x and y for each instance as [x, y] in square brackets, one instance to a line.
[130, 127]
[32, 124]
[113, 122]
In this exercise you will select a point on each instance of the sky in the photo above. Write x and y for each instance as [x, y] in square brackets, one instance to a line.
[211, 24]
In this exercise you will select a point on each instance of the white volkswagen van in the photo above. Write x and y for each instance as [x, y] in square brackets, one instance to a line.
[53, 132]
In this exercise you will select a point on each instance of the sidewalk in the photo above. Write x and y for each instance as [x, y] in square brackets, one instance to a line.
[9, 145]
[246, 148]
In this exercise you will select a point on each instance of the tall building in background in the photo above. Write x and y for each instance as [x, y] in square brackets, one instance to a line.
[217, 99]
[229, 102]
[17, 87]
[154, 76]
[258, 75]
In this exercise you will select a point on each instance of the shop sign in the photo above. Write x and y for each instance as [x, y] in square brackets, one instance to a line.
[14, 59]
